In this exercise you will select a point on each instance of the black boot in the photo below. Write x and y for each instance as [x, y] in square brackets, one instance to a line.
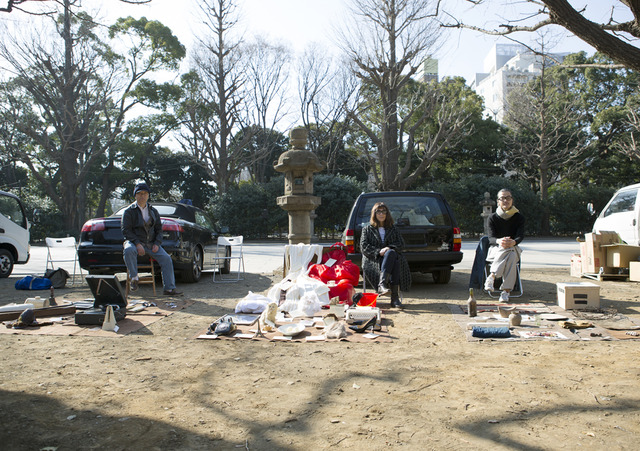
[383, 285]
[395, 296]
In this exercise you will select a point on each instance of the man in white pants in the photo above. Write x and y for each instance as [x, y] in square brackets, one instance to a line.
[506, 231]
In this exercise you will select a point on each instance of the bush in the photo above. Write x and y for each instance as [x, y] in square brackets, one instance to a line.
[568, 205]
[466, 196]
[338, 194]
[251, 209]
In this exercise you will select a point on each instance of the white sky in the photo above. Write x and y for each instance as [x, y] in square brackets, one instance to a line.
[299, 22]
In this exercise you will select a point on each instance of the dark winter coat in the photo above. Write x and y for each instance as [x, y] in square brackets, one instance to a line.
[134, 230]
[370, 246]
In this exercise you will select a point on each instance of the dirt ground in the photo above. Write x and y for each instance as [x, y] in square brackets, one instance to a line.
[160, 388]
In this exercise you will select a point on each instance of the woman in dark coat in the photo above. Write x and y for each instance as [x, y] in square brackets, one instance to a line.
[380, 244]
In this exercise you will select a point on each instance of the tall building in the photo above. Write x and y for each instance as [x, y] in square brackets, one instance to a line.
[428, 71]
[506, 67]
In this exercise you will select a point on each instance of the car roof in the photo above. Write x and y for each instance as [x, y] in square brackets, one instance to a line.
[178, 210]
[399, 193]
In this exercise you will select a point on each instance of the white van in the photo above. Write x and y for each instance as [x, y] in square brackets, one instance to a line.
[622, 215]
[14, 233]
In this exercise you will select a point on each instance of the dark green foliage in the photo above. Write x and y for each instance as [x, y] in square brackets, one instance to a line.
[250, 209]
[568, 205]
[338, 195]
[465, 197]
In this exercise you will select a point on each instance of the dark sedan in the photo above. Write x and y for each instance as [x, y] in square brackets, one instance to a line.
[188, 235]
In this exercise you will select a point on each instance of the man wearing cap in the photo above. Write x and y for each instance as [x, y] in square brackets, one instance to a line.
[142, 230]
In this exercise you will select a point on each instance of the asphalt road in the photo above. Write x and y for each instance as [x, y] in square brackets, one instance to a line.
[265, 257]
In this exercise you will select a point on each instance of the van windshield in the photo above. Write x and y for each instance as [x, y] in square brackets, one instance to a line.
[624, 201]
[407, 211]
[12, 210]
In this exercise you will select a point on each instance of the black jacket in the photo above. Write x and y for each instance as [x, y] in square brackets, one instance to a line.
[133, 226]
[370, 245]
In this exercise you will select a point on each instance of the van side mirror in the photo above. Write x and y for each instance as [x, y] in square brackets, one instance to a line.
[590, 209]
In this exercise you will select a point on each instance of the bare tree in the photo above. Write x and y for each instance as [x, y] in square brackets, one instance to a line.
[326, 92]
[387, 42]
[545, 138]
[214, 104]
[629, 141]
[267, 68]
[614, 38]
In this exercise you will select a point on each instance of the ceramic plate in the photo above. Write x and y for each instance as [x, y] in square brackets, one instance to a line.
[292, 329]
[553, 316]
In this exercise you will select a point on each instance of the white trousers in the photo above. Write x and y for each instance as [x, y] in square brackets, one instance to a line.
[504, 263]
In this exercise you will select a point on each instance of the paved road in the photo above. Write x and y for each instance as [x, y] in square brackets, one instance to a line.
[266, 257]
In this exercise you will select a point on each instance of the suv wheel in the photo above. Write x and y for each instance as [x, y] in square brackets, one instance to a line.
[194, 272]
[442, 276]
[6, 263]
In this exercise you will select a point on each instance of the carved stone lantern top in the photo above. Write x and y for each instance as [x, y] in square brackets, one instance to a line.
[298, 158]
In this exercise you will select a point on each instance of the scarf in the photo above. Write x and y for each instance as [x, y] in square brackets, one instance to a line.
[506, 214]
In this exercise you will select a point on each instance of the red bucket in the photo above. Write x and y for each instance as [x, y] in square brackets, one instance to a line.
[368, 300]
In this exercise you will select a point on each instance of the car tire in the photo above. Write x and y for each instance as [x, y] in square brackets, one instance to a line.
[193, 273]
[6, 263]
[442, 276]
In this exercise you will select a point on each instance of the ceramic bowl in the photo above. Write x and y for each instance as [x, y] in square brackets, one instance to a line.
[505, 311]
[289, 330]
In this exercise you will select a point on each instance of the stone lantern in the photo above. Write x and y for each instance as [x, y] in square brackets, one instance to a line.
[298, 165]
[487, 210]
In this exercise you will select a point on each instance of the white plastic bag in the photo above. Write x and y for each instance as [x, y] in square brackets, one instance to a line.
[252, 303]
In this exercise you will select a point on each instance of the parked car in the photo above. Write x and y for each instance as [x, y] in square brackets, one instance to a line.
[622, 215]
[425, 220]
[188, 235]
[14, 233]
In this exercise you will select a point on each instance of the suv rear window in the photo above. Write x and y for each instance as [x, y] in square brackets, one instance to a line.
[407, 211]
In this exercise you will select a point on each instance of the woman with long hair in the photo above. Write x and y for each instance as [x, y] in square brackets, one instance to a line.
[381, 244]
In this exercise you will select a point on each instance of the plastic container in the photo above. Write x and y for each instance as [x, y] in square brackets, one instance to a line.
[38, 302]
[368, 300]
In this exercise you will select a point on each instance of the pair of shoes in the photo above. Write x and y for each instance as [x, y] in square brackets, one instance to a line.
[172, 292]
[504, 296]
[134, 285]
[488, 283]
[366, 325]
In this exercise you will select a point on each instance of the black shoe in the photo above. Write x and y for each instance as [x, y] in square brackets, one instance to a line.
[134, 285]
[367, 325]
[173, 292]
[395, 297]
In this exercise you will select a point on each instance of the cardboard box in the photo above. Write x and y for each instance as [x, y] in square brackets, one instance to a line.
[619, 255]
[593, 255]
[634, 271]
[576, 265]
[578, 295]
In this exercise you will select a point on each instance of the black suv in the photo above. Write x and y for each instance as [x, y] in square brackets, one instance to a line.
[426, 222]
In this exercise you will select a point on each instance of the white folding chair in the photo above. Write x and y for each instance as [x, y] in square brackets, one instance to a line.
[222, 260]
[63, 247]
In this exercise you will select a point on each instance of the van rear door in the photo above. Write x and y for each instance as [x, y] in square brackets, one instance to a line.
[621, 215]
